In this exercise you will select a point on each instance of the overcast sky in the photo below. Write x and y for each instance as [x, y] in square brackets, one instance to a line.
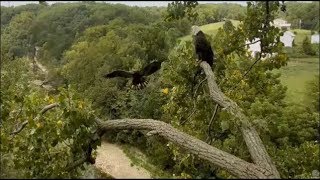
[129, 3]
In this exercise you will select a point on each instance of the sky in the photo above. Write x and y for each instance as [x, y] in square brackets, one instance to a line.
[129, 3]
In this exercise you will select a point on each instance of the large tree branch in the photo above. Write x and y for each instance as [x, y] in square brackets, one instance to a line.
[43, 111]
[209, 138]
[231, 163]
[256, 148]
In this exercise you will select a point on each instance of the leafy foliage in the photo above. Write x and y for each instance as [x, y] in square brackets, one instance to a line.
[49, 144]
[87, 40]
[212, 13]
[306, 13]
[14, 39]
[180, 9]
[307, 47]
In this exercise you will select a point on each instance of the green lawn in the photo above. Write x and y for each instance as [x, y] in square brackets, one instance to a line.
[210, 29]
[301, 34]
[296, 74]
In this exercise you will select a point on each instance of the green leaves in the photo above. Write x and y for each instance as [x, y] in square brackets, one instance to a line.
[181, 9]
[307, 47]
[49, 142]
[15, 37]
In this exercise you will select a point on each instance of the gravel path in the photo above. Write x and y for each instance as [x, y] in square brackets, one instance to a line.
[112, 160]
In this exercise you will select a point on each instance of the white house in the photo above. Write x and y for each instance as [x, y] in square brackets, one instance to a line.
[315, 39]
[287, 39]
[254, 48]
[282, 24]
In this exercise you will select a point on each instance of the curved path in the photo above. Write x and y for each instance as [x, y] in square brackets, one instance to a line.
[112, 160]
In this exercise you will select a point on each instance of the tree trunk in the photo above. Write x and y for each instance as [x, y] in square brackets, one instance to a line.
[231, 163]
[256, 148]
[262, 167]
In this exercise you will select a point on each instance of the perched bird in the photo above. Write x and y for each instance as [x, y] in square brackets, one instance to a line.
[203, 50]
[138, 77]
[202, 46]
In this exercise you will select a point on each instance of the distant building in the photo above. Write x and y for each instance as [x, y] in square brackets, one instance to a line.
[315, 39]
[254, 48]
[282, 24]
[287, 39]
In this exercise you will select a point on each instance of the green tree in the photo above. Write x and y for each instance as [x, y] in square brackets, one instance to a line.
[312, 95]
[306, 13]
[180, 9]
[109, 37]
[15, 39]
[307, 47]
[48, 145]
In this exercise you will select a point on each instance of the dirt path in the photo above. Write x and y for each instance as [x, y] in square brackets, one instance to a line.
[112, 160]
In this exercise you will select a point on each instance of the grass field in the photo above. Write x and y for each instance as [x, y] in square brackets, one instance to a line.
[301, 34]
[210, 29]
[298, 71]
[296, 74]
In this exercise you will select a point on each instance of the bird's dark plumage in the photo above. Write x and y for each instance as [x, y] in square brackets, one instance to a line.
[151, 68]
[138, 77]
[119, 74]
[203, 48]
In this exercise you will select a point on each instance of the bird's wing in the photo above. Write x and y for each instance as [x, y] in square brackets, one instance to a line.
[119, 73]
[151, 68]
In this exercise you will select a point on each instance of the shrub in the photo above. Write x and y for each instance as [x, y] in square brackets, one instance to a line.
[307, 47]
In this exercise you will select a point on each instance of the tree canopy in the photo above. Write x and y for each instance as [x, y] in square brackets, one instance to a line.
[79, 42]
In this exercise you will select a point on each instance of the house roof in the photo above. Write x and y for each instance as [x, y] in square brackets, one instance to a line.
[289, 33]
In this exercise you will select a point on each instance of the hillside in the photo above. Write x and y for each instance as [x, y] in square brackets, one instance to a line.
[69, 76]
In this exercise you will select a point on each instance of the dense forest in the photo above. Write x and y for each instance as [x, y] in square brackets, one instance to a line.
[54, 133]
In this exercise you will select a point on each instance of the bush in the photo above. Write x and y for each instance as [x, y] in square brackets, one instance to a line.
[307, 47]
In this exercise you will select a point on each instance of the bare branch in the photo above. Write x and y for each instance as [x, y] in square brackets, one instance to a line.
[256, 148]
[20, 128]
[233, 49]
[48, 107]
[43, 111]
[210, 123]
[194, 103]
[231, 163]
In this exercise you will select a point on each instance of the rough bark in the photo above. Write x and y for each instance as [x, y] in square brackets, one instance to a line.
[231, 163]
[262, 167]
[256, 148]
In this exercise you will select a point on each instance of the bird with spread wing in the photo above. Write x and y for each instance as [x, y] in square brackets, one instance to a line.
[138, 77]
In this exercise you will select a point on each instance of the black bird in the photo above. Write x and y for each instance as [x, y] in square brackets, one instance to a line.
[202, 46]
[203, 50]
[138, 77]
